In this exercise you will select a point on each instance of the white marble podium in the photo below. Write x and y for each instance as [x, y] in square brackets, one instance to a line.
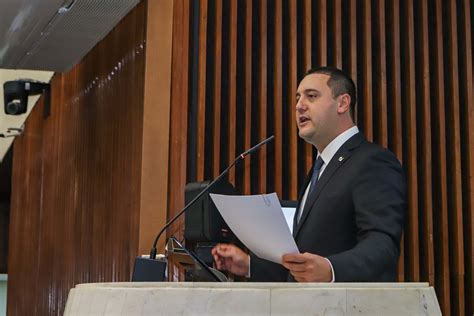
[252, 299]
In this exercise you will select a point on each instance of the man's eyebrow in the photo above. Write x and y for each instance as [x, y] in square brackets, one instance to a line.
[306, 91]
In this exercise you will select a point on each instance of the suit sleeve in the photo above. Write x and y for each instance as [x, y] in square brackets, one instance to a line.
[379, 198]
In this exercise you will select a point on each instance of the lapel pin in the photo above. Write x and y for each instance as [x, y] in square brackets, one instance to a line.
[341, 158]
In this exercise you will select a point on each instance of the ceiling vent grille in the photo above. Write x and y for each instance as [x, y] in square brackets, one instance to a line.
[75, 28]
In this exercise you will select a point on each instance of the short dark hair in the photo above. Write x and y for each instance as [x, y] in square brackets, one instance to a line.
[339, 82]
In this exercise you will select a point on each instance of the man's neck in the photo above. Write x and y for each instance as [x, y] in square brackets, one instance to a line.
[321, 146]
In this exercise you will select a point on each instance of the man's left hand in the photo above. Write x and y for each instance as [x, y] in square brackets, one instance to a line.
[308, 267]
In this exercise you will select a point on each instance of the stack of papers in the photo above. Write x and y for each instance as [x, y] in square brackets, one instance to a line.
[258, 221]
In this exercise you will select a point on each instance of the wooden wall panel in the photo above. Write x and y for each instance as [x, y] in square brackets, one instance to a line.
[307, 64]
[408, 59]
[440, 202]
[278, 94]
[425, 203]
[292, 182]
[201, 112]
[365, 102]
[465, 9]
[394, 99]
[247, 91]
[180, 104]
[262, 95]
[78, 174]
[412, 62]
[216, 149]
[232, 76]
[454, 160]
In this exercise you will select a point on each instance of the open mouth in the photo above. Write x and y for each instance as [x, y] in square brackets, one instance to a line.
[303, 119]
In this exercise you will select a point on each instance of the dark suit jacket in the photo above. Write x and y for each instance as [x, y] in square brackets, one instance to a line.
[354, 217]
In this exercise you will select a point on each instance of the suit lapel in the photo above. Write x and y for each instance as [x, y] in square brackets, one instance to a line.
[300, 197]
[341, 156]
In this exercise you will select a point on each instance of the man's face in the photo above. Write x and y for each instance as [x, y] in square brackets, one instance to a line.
[316, 110]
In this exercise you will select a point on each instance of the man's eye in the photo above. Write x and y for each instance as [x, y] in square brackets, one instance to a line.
[311, 96]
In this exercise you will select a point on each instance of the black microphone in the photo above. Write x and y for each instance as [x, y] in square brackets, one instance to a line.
[223, 173]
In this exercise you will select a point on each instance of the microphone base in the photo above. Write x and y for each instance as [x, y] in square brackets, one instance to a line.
[148, 270]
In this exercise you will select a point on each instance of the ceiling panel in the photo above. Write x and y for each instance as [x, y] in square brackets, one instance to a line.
[54, 35]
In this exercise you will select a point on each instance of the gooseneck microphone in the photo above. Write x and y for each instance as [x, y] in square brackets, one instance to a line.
[223, 173]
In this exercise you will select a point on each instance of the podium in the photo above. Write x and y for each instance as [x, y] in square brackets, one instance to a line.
[245, 298]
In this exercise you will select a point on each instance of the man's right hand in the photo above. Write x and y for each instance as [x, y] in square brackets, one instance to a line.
[231, 258]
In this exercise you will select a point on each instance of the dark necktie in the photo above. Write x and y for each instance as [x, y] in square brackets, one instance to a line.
[314, 177]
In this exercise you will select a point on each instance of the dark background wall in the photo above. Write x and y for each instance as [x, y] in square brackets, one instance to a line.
[412, 63]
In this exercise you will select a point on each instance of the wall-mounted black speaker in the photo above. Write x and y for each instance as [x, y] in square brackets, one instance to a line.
[203, 222]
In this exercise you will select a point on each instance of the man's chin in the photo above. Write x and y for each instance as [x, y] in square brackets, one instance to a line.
[305, 136]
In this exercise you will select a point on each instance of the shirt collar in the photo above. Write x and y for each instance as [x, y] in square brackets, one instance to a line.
[336, 143]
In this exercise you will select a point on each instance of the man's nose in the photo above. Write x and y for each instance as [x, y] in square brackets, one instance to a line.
[300, 105]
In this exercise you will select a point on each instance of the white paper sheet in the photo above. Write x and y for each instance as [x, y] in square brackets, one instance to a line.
[258, 221]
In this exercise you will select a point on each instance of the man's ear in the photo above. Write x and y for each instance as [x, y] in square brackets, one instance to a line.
[344, 104]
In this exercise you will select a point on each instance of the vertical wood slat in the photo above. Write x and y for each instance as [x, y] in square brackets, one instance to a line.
[76, 162]
[216, 139]
[233, 87]
[248, 91]
[426, 152]
[201, 93]
[442, 274]
[337, 36]
[468, 115]
[322, 40]
[411, 163]
[262, 97]
[367, 111]
[454, 157]
[156, 107]
[381, 75]
[278, 96]
[180, 102]
[307, 47]
[293, 138]
[396, 105]
[353, 49]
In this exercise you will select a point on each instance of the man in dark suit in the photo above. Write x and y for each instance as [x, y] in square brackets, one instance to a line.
[350, 214]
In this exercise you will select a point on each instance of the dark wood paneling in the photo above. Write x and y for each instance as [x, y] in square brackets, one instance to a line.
[180, 103]
[365, 86]
[247, 92]
[307, 49]
[216, 139]
[426, 198]
[410, 134]
[400, 54]
[440, 191]
[278, 96]
[336, 20]
[454, 160]
[394, 100]
[321, 43]
[380, 74]
[292, 182]
[262, 95]
[76, 179]
[201, 107]
[467, 146]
